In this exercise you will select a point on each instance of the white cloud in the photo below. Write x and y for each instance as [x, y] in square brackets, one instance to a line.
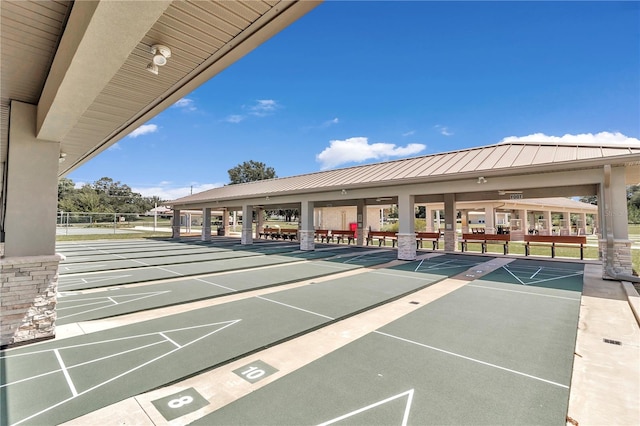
[143, 130]
[409, 133]
[443, 130]
[234, 118]
[114, 147]
[330, 122]
[264, 107]
[166, 192]
[358, 149]
[602, 138]
[185, 103]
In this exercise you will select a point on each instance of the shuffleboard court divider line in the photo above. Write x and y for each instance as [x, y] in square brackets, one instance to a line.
[488, 364]
[65, 372]
[294, 307]
[524, 292]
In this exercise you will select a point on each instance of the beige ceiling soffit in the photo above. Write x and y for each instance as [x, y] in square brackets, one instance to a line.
[98, 39]
[265, 27]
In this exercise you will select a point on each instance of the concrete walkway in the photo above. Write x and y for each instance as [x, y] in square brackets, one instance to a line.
[605, 387]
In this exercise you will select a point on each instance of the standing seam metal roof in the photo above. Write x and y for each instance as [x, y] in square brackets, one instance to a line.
[503, 156]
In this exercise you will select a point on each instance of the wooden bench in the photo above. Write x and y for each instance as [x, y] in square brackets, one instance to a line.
[289, 233]
[553, 241]
[322, 235]
[342, 235]
[382, 237]
[428, 236]
[273, 233]
[485, 239]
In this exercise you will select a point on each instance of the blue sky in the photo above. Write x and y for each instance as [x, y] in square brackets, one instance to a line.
[359, 82]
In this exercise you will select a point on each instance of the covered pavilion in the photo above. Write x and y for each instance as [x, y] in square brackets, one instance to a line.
[505, 172]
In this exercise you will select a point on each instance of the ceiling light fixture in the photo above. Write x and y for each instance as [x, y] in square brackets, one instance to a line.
[160, 54]
[481, 179]
[62, 157]
[343, 192]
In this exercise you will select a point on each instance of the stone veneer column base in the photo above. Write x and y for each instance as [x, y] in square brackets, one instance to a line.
[621, 257]
[28, 297]
[246, 237]
[206, 233]
[406, 246]
[307, 240]
[450, 240]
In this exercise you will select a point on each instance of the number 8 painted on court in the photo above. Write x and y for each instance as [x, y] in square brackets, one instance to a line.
[180, 402]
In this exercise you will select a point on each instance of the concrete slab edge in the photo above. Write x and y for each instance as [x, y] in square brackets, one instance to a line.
[634, 299]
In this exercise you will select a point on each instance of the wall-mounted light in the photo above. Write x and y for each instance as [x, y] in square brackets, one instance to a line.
[343, 192]
[481, 180]
[160, 54]
[62, 157]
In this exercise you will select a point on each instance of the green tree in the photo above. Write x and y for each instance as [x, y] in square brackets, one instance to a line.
[250, 171]
[104, 195]
[591, 199]
[66, 187]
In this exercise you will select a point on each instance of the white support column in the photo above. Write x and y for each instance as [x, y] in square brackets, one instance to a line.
[361, 219]
[565, 226]
[225, 222]
[32, 189]
[615, 243]
[548, 227]
[307, 229]
[175, 224]
[450, 213]
[259, 222]
[582, 226]
[206, 224]
[29, 267]
[464, 221]
[406, 229]
[489, 219]
[247, 224]
[429, 218]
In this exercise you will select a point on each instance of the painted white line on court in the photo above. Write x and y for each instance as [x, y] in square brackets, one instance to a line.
[419, 265]
[72, 282]
[405, 416]
[382, 272]
[139, 366]
[214, 284]
[293, 307]
[112, 299]
[63, 368]
[513, 275]
[170, 340]
[535, 273]
[553, 278]
[488, 364]
[524, 292]
[169, 270]
[101, 301]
